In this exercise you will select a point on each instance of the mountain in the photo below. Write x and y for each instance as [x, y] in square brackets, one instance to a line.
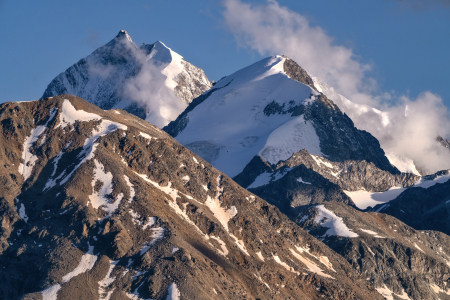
[270, 109]
[150, 81]
[101, 204]
[280, 138]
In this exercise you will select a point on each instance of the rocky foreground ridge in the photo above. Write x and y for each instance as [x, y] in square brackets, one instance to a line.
[102, 205]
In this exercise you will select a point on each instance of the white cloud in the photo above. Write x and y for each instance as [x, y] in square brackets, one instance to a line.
[148, 88]
[409, 128]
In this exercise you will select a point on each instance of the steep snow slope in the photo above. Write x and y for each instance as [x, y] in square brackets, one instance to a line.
[150, 81]
[232, 125]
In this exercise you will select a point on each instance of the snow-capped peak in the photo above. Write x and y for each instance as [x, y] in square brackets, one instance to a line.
[237, 121]
[124, 34]
[150, 81]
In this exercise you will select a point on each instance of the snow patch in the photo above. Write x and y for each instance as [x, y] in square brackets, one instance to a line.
[326, 218]
[293, 136]
[22, 213]
[403, 164]
[265, 283]
[363, 199]
[69, 115]
[136, 219]
[89, 147]
[145, 135]
[319, 161]
[424, 183]
[100, 198]
[158, 233]
[30, 159]
[132, 192]
[51, 293]
[323, 259]
[214, 205]
[224, 251]
[415, 245]
[312, 267]
[372, 233]
[388, 294]
[173, 193]
[173, 292]
[285, 265]
[106, 281]
[301, 181]
[87, 262]
[260, 256]
[261, 180]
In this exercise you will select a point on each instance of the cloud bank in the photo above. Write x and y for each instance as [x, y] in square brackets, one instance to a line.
[409, 128]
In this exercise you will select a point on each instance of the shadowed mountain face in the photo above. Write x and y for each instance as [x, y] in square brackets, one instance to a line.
[103, 205]
[151, 81]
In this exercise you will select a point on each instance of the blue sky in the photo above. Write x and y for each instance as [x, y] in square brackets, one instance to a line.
[406, 46]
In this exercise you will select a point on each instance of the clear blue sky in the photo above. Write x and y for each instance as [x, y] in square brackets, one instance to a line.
[408, 46]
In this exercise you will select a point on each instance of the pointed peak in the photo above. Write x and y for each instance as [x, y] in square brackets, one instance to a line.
[123, 34]
[160, 44]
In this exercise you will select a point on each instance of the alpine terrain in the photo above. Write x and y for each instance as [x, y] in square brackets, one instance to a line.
[271, 128]
[102, 205]
[135, 177]
[150, 81]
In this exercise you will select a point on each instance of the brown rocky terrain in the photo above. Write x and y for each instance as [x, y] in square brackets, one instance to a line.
[102, 205]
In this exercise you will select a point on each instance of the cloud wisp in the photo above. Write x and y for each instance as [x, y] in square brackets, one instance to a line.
[145, 80]
[149, 89]
[408, 128]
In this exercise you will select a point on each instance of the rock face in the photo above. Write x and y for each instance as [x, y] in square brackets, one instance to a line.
[443, 142]
[307, 179]
[101, 204]
[399, 260]
[294, 71]
[424, 206]
[150, 81]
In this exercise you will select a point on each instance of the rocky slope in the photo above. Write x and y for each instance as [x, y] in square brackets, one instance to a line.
[424, 206]
[443, 142]
[102, 205]
[150, 81]
[402, 262]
